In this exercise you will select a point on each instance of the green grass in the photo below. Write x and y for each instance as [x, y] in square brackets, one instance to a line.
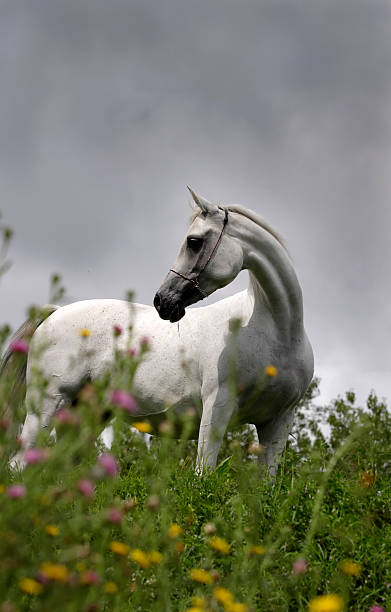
[329, 503]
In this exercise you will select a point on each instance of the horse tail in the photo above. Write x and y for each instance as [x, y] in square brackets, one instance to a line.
[13, 364]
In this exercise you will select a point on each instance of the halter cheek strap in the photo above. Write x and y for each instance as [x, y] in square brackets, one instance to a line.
[195, 280]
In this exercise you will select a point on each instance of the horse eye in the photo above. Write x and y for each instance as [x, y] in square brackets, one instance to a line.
[194, 243]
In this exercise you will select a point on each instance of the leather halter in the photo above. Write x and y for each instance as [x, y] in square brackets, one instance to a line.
[195, 280]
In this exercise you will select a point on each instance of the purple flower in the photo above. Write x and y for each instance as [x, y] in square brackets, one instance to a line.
[122, 398]
[377, 609]
[109, 464]
[19, 346]
[300, 566]
[86, 487]
[117, 329]
[16, 491]
[114, 515]
[35, 455]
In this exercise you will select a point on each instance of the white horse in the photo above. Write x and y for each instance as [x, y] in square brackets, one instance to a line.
[219, 244]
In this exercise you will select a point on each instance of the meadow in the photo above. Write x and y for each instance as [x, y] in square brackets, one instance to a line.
[135, 528]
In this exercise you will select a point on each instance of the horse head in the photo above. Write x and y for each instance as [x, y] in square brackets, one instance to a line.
[198, 271]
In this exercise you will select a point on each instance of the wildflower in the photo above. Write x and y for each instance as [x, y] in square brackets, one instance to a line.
[85, 332]
[257, 549]
[140, 557]
[90, 577]
[19, 346]
[55, 571]
[180, 546]
[271, 371]
[367, 479]
[209, 528]
[2, 488]
[52, 530]
[66, 416]
[201, 575]
[35, 455]
[124, 400]
[351, 568]
[109, 464]
[117, 330]
[142, 426]
[300, 566]
[326, 603]
[153, 502]
[166, 428]
[174, 531]
[377, 609]
[114, 515]
[235, 606]
[16, 491]
[119, 548]
[30, 586]
[111, 587]
[86, 487]
[223, 596]
[219, 544]
[198, 602]
[155, 557]
[129, 504]
[255, 449]
[144, 343]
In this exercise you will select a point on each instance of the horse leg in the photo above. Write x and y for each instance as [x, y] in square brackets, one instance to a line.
[216, 414]
[40, 411]
[273, 436]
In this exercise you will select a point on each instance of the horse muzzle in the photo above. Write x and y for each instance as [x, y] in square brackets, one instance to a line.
[168, 309]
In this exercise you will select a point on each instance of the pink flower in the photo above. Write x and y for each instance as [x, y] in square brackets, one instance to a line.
[19, 346]
[132, 352]
[144, 342]
[377, 609]
[66, 416]
[117, 329]
[114, 515]
[109, 464]
[16, 491]
[35, 455]
[124, 400]
[86, 487]
[300, 566]
[90, 577]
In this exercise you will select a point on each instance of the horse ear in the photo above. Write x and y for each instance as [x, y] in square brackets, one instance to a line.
[205, 205]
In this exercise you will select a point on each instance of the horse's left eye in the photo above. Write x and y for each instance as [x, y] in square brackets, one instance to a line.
[194, 243]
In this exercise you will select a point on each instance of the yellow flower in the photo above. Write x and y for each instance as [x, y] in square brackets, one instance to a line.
[326, 603]
[52, 530]
[155, 556]
[110, 587]
[198, 602]
[119, 548]
[30, 586]
[223, 596]
[85, 332]
[174, 531]
[55, 571]
[351, 568]
[235, 606]
[140, 557]
[2, 488]
[201, 575]
[219, 544]
[257, 550]
[81, 566]
[271, 371]
[142, 426]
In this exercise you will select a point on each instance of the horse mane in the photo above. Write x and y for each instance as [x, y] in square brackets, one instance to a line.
[249, 214]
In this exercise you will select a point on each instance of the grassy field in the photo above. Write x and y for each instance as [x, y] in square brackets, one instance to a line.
[137, 529]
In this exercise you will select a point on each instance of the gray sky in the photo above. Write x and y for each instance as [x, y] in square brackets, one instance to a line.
[108, 110]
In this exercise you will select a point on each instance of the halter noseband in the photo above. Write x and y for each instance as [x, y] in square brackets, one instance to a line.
[195, 280]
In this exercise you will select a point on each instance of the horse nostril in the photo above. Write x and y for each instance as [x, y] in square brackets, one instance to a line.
[156, 302]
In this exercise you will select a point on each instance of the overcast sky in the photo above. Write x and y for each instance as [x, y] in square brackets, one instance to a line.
[108, 110]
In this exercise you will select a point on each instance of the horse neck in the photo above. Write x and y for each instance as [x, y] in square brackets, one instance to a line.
[273, 281]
